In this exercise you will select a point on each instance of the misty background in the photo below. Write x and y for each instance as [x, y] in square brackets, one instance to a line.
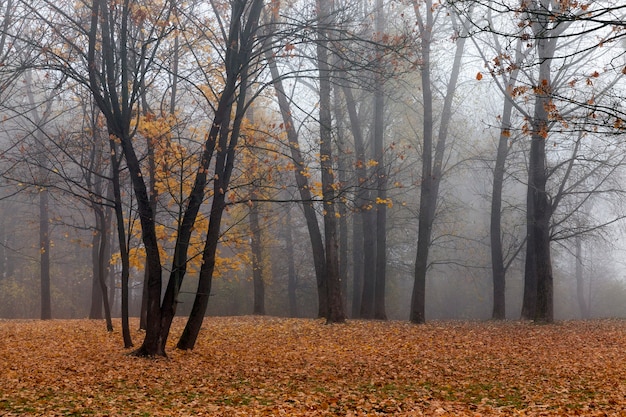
[56, 196]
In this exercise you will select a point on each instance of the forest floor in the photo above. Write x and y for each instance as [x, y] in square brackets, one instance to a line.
[252, 366]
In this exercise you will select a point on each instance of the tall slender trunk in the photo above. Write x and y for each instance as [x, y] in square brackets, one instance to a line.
[223, 169]
[300, 172]
[94, 181]
[580, 279]
[110, 89]
[116, 190]
[237, 66]
[497, 258]
[418, 297]
[335, 312]
[368, 213]
[342, 162]
[100, 261]
[257, 259]
[109, 277]
[364, 240]
[292, 279]
[101, 268]
[190, 334]
[538, 285]
[529, 297]
[44, 254]
[357, 264]
[196, 316]
[432, 165]
[95, 311]
[381, 176]
[143, 312]
[39, 120]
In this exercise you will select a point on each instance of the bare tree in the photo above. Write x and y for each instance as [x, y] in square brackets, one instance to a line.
[433, 152]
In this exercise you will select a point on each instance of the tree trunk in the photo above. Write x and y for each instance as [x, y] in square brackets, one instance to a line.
[104, 289]
[381, 251]
[292, 280]
[143, 314]
[44, 254]
[364, 244]
[118, 111]
[539, 289]
[223, 169]
[538, 246]
[196, 317]
[544, 310]
[342, 162]
[381, 177]
[237, 69]
[257, 259]
[106, 256]
[580, 279]
[529, 298]
[152, 344]
[95, 312]
[39, 121]
[432, 167]
[335, 312]
[368, 214]
[497, 258]
[418, 297]
[190, 334]
[100, 267]
[300, 171]
[357, 264]
[121, 240]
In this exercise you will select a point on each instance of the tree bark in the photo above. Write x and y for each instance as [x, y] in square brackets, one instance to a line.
[497, 258]
[292, 279]
[538, 285]
[364, 241]
[241, 42]
[418, 297]
[335, 312]
[121, 239]
[300, 172]
[257, 260]
[342, 212]
[39, 121]
[190, 334]
[432, 165]
[495, 231]
[381, 177]
[95, 312]
[44, 254]
[357, 264]
[111, 92]
[580, 280]
[100, 272]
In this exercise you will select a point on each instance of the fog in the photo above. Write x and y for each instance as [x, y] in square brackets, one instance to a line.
[56, 146]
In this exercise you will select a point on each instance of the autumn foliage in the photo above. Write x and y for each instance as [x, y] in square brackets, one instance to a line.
[295, 367]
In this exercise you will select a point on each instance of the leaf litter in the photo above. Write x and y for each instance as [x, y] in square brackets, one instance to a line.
[263, 366]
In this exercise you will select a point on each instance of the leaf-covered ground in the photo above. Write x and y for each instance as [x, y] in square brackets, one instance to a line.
[266, 366]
